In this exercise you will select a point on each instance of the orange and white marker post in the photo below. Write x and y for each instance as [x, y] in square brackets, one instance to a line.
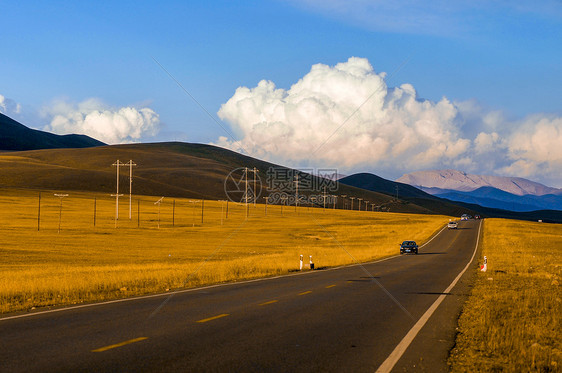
[300, 268]
[484, 267]
[311, 264]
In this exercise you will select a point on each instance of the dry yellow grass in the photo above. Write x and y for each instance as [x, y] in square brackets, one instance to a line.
[86, 263]
[511, 321]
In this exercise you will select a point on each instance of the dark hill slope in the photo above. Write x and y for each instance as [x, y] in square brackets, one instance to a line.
[163, 169]
[15, 136]
[406, 193]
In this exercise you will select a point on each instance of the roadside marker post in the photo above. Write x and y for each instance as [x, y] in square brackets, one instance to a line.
[484, 267]
[311, 264]
[300, 267]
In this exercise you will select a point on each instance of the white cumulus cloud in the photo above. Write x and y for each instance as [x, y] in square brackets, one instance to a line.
[9, 107]
[535, 148]
[345, 116]
[96, 119]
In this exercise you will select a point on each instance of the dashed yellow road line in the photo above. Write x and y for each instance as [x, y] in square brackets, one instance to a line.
[101, 349]
[350, 282]
[270, 302]
[214, 317]
[305, 292]
[330, 286]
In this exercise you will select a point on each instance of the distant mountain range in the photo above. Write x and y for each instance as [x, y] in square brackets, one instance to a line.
[15, 136]
[460, 181]
[508, 193]
[439, 204]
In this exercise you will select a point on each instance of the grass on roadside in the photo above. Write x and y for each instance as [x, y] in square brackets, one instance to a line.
[511, 321]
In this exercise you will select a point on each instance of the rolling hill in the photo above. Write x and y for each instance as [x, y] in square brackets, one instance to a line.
[14, 136]
[163, 169]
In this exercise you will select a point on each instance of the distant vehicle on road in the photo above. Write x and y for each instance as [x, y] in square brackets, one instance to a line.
[452, 225]
[465, 217]
[476, 216]
[408, 247]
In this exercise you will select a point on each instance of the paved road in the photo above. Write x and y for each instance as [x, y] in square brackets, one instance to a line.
[328, 320]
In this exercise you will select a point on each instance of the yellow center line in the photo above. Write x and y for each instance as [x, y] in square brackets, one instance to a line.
[101, 349]
[214, 317]
[350, 282]
[270, 302]
[305, 292]
[330, 286]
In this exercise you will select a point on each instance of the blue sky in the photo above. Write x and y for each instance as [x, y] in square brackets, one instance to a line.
[498, 64]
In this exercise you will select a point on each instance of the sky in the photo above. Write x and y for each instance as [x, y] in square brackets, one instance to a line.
[358, 86]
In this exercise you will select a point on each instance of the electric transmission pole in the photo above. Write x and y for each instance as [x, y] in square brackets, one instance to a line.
[117, 164]
[255, 170]
[130, 164]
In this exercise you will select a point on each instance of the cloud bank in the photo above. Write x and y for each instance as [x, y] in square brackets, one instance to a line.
[346, 116]
[96, 119]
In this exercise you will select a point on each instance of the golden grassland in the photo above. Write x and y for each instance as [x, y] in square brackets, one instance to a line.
[511, 321]
[83, 263]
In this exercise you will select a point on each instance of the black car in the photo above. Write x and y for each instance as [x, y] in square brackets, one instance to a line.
[409, 247]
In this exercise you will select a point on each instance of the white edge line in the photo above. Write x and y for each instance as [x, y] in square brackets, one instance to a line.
[199, 288]
[395, 355]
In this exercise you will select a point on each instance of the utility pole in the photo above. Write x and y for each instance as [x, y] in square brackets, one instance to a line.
[255, 186]
[117, 209]
[359, 202]
[130, 164]
[297, 191]
[159, 202]
[334, 201]
[222, 210]
[283, 201]
[373, 206]
[61, 196]
[246, 193]
[324, 198]
[351, 198]
[39, 213]
[117, 195]
[343, 201]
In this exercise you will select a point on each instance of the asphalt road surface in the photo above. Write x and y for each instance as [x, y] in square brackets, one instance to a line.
[340, 320]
